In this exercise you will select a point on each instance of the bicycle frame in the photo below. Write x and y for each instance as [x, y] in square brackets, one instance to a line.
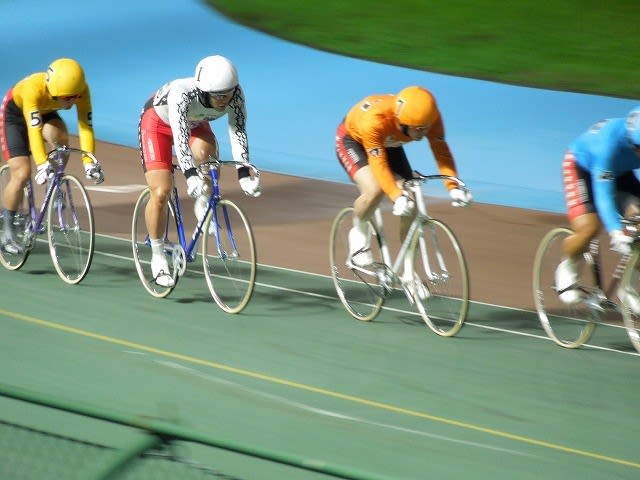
[421, 218]
[210, 168]
[58, 159]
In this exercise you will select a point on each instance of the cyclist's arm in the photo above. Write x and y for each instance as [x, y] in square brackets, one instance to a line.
[373, 144]
[603, 179]
[178, 101]
[442, 153]
[237, 117]
[85, 124]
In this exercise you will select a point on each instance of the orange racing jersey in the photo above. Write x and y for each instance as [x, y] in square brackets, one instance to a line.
[372, 123]
[32, 97]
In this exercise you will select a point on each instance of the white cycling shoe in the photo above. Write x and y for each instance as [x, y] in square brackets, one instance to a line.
[10, 245]
[630, 299]
[566, 277]
[414, 285]
[200, 209]
[359, 250]
[161, 272]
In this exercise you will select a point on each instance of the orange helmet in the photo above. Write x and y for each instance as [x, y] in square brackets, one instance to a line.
[416, 107]
[65, 78]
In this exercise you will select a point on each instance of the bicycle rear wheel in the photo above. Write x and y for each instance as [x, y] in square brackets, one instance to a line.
[70, 230]
[229, 257]
[359, 291]
[568, 325]
[441, 267]
[141, 245]
[21, 226]
[631, 316]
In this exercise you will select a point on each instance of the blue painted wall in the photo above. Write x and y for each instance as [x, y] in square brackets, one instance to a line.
[508, 141]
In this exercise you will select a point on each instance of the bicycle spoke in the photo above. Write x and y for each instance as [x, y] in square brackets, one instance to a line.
[141, 246]
[70, 230]
[567, 325]
[358, 289]
[229, 257]
[441, 283]
[21, 226]
[631, 310]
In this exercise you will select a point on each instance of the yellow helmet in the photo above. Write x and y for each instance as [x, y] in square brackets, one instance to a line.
[65, 78]
[416, 107]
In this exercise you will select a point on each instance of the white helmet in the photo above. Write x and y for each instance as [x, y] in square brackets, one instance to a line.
[216, 74]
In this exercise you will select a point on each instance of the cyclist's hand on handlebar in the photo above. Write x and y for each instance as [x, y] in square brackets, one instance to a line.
[43, 173]
[250, 186]
[403, 205]
[93, 171]
[196, 185]
[620, 242]
[460, 197]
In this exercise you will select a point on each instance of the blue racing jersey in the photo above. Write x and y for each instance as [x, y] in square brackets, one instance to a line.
[605, 151]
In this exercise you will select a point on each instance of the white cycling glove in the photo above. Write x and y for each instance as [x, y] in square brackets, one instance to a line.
[620, 242]
[403, 205]
[196, 185]
[93, 171]
[250, 186]
[43, 173]
[460, 198]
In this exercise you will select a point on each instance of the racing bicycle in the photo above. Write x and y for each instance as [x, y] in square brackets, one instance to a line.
[572, 325]
[66, 216]
[438, 286]
[228, 245]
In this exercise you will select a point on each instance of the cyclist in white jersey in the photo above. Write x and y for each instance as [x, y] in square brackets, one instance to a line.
[178, 115]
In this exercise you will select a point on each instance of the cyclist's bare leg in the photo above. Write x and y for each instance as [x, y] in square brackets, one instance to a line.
[204, 145]
[160, 184]
[20, 168]
[55, 133]
[370, 194]
[585, 228]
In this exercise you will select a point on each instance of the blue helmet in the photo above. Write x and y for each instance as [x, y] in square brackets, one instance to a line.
[632, 125]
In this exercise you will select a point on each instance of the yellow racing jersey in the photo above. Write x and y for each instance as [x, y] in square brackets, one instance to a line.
[31, 95]
[372, 123]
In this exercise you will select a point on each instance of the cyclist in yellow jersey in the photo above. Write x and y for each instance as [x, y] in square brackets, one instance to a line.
[369, 146]
[29, 118]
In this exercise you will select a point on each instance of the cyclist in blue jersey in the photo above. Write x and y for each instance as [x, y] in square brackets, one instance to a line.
[600, 188]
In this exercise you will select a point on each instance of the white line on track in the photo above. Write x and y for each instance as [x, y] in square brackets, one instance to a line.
[397, 310]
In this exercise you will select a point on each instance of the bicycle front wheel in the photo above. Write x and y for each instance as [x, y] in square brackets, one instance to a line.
[21, 226]
[70, 230]
[630, 282]
[568, 325]
[229, 256]
[358, 289]
[141, 245]
[440, 266]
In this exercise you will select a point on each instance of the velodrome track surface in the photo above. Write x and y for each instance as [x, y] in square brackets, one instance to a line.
[293, 373]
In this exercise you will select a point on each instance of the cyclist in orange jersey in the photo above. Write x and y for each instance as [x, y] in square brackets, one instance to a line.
[29, 118]
[369, 146]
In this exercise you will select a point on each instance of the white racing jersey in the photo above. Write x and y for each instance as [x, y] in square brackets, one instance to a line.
[178, 104]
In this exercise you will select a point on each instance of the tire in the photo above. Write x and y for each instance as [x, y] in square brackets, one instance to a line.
[141, 245]
[441, 267]
[22, 226]
[569, 326]
[631, 282]
[70, 230]
[229, 257]
[360, 293]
